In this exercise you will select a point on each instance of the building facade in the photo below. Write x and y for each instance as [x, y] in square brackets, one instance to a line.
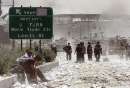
[78, 26]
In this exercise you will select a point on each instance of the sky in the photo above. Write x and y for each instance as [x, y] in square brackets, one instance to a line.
[79, 6]
[113, 7]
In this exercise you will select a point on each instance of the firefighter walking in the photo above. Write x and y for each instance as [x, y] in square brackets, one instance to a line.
[97, 51]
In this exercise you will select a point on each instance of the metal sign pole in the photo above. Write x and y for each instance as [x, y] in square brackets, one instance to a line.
[13, 3]
[30, 44]
[40, 43]
[21, 44]
[0, 8]
[21, 39]
[13, 41]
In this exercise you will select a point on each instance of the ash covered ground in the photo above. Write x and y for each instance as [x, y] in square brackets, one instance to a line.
[111, 72]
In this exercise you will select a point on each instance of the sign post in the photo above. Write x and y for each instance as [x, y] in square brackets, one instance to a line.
[30, 23]
[21, 44]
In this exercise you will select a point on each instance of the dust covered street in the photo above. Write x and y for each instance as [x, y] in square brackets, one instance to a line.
[111, 72]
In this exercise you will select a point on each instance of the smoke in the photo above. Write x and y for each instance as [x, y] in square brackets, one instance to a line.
[6, 2]
[115, 10]
[119, 23]
[79, 6]
[117, 7]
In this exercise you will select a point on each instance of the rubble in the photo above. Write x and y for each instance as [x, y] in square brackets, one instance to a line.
[109, 74]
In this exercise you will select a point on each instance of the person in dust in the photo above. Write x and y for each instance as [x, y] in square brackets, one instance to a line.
[78, 53]
[68, 50]
[122, 49]
[83, 51]
[54, 49]
[89, 51]
[128, 52]
[38, 51]
[97, 51]
[28, 63]
[20, 62]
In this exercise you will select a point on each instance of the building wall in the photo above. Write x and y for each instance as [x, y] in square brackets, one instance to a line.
[77, 26]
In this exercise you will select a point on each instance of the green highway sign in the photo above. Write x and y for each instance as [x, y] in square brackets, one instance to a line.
[30, 23]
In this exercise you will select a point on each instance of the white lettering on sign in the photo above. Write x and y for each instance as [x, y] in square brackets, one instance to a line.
[18, 11]
[16, 29]
[29, 12]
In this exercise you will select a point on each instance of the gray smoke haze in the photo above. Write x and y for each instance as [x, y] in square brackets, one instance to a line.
[116, 8]
[120, 24]
[79, 6]
[112, 9]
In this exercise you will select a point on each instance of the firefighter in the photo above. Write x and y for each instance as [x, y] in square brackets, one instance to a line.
[54, 49]
[68, 50]
[89, 51]
[38, 59]
[38, 51]
[83, 51]
[78, 53]
[128, 52]
[97, 51]
[29, 65]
